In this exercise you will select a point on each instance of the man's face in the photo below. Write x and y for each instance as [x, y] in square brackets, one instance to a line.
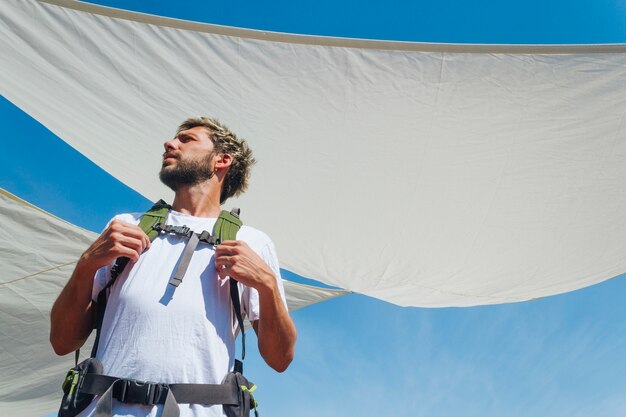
[188, 158]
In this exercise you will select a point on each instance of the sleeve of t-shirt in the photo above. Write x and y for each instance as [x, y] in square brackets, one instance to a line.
[250, 296]
[103, 275]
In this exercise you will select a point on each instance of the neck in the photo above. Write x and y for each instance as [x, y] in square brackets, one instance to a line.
[200, 200]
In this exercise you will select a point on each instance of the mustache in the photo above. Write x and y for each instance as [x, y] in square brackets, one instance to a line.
[171, 154]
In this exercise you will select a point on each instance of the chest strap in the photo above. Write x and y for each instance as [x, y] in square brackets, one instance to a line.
[190, 246]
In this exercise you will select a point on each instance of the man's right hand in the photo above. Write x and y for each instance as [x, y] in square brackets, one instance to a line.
[119, 239]
[72, 315]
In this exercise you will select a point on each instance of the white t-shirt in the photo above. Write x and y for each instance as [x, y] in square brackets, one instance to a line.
[156, 332]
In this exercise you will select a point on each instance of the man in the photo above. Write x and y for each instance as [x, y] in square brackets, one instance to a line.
[153, 331]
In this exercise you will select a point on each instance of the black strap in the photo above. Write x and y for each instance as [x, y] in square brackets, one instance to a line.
[226, 228]
[234, 296]
[101, 305]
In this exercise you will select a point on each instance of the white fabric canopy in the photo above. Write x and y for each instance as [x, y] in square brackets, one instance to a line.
[425, 175]
[38, 252]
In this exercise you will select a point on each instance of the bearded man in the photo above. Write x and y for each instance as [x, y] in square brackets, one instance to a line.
[154, 332]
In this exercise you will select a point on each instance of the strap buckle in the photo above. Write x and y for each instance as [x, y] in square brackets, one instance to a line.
[140, 392]
[206, 237]
[180, 230]
[176, 230]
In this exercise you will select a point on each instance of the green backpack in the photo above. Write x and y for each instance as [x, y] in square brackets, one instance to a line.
[86, 379]
[152, 223]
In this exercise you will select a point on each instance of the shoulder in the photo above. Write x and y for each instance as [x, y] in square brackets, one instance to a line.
[254, 237]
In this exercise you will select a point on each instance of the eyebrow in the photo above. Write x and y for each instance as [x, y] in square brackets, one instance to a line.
[184, 135]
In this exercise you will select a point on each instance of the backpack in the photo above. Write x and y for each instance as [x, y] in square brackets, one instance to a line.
[86, 380]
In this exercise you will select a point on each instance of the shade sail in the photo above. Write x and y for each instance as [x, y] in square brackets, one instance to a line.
[421, 174]
[38, 252]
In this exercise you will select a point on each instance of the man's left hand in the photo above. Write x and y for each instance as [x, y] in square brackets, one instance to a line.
[235, 259]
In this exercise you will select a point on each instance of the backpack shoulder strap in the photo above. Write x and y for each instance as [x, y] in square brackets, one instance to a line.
[226, 228]
[157, 214]
[227, 225]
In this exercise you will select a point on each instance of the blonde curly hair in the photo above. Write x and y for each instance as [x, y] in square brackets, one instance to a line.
[238, 175]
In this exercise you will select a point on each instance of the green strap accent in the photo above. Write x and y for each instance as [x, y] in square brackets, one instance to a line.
[227, 226]
[254, 403]
[70, 382]
[251, 390]
[157, 214]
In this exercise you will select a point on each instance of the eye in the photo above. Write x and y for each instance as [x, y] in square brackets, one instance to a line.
[185, 138]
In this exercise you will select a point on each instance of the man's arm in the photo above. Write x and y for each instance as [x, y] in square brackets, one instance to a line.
[73, 313]
[275, 329]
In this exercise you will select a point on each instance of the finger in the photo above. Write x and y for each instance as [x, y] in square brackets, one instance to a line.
[118, 225]
[126, 238]
[229, 242]
[224, 261]
[136, 244]
[136, 232]
[224, 271]
[227, 250]
[146, 240]
[126, 252]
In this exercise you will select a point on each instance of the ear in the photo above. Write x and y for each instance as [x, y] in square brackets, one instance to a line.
[223, 161]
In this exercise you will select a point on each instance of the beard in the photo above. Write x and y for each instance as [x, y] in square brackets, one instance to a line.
[186, 172]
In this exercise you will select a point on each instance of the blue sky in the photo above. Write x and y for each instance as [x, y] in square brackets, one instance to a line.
[559, 356]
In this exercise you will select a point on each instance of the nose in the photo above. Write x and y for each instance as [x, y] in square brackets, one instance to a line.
[171, 144]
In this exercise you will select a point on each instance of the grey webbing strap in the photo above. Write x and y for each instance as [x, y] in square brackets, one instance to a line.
[206, 393]
[109, 387]
[170, 407]
[104, 406]
[185, 258]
